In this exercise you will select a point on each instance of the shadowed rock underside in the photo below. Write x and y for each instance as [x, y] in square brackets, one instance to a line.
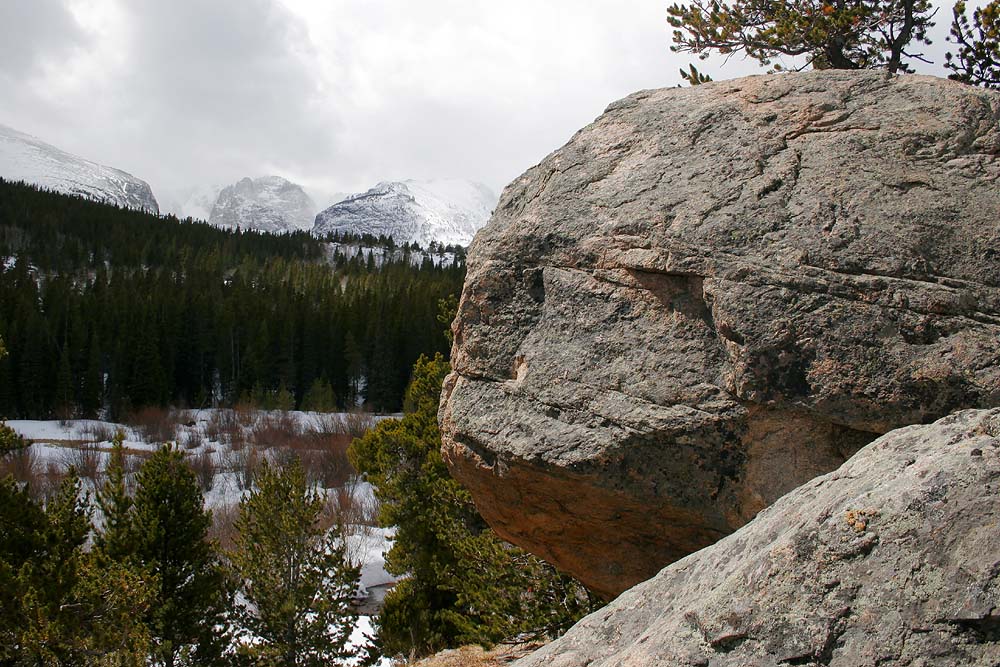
[892, 560]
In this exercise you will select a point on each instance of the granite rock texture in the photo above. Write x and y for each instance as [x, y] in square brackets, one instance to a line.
[713, 294]
[891, 560]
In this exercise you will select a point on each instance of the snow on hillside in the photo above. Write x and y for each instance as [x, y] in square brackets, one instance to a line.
[268, 204]
[26, 158]
[446, 211]
[380, 254]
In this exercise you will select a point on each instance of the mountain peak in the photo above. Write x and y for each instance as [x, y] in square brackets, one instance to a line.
[29, 159]
[266, 203]
[447, 211]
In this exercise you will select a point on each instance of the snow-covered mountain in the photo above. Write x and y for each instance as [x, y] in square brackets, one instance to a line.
[26, 158]
[446, 211]
[268, 203]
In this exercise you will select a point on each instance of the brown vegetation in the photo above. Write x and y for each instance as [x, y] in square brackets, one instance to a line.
[156, 424]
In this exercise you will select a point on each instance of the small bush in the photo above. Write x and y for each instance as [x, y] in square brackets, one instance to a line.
[157, 425]
[278, 430]
[243, 463]
[326, 461]
[227, 427]
[23, 465]
[98, 432]
[223, 528]
[189, 439]
[86, 460]
[203, 466]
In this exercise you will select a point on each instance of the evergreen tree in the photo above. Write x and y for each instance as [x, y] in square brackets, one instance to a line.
[165, 531]
[58, 607]
[115, 542]
[977, 59]
[10, 440]
[841, 34]
[293, 575]
[463, 584]
[320, 397]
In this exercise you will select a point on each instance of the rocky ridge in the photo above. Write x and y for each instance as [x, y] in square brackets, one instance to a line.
[891, 560]
[712, 295]
[267, 204]
[29, 159]
[448, 212]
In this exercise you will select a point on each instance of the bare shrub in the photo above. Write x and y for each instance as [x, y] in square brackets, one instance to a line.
[225, 426]
[22, 464]
[203, 466]
[98, 432]
[156, 424]
[243, 463]
[246, 414]
[86, 460]
[278, 430]
[223, 528]
[283, 458]
[190, 439]
[353, 515]
[50, 481]
[326, 461]
[357, 423]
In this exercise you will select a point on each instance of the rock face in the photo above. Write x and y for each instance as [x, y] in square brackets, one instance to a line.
[443, 211]
[713, 294]
[892, 560]
[268, 204]
[26, 158]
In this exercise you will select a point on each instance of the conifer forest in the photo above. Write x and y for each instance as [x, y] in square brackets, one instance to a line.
[106, 310]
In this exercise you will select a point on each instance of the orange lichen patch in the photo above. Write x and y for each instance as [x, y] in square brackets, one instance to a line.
[859, 519]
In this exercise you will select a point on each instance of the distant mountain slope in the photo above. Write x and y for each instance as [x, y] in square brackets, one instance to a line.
[26, 158]
[446, 211]
[268, 203]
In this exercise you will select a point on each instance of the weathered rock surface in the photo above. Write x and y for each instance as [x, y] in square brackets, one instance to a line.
[892, 560]
[713, 294]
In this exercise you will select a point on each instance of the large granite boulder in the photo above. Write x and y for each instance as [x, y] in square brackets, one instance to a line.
[892, 560]
[713, 294]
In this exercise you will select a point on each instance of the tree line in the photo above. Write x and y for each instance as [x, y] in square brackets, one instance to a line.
[107, 310]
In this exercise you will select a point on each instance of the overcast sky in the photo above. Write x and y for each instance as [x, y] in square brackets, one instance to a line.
[333, 94]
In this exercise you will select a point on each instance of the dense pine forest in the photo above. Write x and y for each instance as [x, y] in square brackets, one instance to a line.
[106, 310]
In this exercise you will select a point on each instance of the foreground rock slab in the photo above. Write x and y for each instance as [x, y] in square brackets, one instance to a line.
[892, 560]
[713, 294]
